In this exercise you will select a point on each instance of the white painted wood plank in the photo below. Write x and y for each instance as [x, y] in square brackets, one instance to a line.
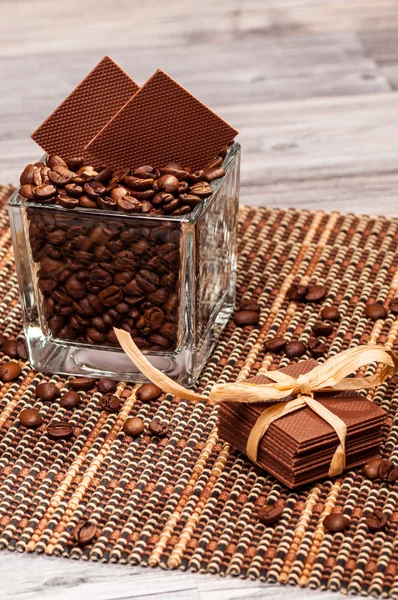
[36, 577]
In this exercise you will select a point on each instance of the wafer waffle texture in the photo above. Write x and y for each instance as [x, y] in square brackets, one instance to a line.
[189, 501]
[74, 123]
[108, 120]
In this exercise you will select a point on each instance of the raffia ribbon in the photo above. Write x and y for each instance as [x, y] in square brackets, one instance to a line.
[332, 375]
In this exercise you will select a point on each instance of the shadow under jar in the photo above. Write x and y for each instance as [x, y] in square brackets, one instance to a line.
[167, 280]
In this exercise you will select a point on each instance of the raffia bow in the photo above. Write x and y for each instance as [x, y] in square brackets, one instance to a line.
[332, 375]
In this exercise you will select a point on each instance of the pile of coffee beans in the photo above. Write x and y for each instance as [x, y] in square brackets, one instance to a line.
[306, 293]
[249, 313]
[381, 468]
[109, 402]
[95, 275]
[316, 347]
[170, 190]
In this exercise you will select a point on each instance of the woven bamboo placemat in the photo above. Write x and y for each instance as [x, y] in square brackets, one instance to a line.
[188, 500]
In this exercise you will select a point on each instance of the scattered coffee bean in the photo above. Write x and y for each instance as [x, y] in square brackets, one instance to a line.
[376, 521]
[148, 392]
[371, 469]
[315, 293]
[295, 349]
[385, 467]
[317, 348]
[392, 475]
[270, 514]
[322, 329]
[10, 348]
[22, 350]
[275, 345]
[250, 305]
[30, 418]
[134, 426]
[82, 384]
[110, 403]
[297, 292]
[48, 392]
[335, 522]
[246, 317]
[106, 385]
[10, 371]
[70, 399]
[394, 306]
[59, 430]
[158, 428]
[84, 533]
[330, 313]
[375, 311]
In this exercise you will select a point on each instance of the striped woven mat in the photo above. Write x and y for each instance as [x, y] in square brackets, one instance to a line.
[189, 500]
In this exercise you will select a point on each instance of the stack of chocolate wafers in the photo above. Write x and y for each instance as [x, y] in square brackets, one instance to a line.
[298, 448]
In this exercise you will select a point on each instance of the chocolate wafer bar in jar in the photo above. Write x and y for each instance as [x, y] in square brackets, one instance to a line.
[128, 221]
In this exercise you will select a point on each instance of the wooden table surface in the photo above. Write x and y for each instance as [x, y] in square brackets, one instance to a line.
[310, 84]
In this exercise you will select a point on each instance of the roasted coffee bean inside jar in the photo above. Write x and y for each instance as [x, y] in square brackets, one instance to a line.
[96, 274]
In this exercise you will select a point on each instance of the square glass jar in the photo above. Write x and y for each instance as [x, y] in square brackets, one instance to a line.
[169, 281]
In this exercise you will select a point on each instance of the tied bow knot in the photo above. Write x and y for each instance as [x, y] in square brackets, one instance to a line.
[304, 388]
[332, 375]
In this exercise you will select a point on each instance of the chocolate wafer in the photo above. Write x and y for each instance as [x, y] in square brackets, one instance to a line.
[86, 110]
[160, 124]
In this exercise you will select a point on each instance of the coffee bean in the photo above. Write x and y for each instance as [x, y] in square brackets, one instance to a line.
[94, 189]
[330, 313]
[67, 201]
[385, 467]
[317, 348]
[30, 418]
[315, 293]
[376, 520]
[213, 173]
[393, 304]
[44, 192]
[250, 305]
[134, 426]
[10, 348]
[29, 177]
[82, 384]
[392, 475]
[111, 296]
[371, 469]
[375, 311]
[322, 329]
[246, 317]
[147, 280]
[145, 172]
[167, 183]
[10, 371]
[295, 349]
[110, 403]
[275, 345]
[296, 292]
[202, 189]
[158, 428]
[148, 392]
[106, 385]
[22, 350]
[270, 514]
[70, 399]
[27, 191]
[84, 533]
[75, 163]
[335, 522]
[59, 430]
[48, 392]
[54, 160]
